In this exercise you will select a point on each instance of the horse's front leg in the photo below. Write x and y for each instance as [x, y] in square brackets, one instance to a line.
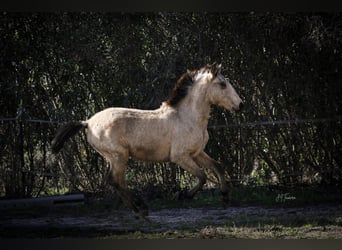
[188, 164]
[206, 161]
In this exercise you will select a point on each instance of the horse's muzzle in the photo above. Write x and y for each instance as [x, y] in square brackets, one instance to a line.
[237, 108]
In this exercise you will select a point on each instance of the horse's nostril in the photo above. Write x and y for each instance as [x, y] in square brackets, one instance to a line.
[241, 105]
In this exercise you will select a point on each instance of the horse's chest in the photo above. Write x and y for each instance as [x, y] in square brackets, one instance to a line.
[194, 138]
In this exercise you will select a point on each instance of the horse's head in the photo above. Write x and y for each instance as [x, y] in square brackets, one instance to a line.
[219, 90]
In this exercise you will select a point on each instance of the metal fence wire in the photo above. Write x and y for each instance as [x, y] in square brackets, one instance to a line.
[253, 148]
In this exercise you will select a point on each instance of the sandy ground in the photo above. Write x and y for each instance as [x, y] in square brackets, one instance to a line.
[232, 222]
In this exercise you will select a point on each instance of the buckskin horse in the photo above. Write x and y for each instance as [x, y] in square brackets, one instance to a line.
[176, 132]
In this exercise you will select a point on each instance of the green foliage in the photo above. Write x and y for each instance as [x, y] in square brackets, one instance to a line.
[68, 66]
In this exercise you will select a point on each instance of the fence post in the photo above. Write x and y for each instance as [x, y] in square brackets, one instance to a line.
[20, 117]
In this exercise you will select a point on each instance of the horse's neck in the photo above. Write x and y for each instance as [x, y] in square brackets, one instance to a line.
[195, 109]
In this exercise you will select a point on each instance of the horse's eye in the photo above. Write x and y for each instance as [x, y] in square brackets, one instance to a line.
[223, 85]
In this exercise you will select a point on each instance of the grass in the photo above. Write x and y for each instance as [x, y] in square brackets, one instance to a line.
[256, 196]
[236, 232]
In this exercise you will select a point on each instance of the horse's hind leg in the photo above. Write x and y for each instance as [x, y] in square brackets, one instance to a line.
[116, 177]
[117, 170]
[206, 161]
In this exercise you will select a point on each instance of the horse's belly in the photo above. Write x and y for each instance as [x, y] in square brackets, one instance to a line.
[157, 153]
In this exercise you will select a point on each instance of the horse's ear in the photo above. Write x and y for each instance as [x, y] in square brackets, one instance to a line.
[191, 74]
[216, 69]
[219, 67]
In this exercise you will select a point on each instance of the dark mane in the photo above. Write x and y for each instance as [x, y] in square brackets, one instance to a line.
[180, 90]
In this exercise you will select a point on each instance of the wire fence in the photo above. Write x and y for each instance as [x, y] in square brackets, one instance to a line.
[240, 179]
[277, 122]
[242, 125]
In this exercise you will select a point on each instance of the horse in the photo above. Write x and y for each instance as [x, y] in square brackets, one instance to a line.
[175, 132]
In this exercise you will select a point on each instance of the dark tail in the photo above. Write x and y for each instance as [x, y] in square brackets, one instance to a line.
[63, 133]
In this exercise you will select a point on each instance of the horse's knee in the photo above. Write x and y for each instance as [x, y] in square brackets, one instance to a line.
[219, 168]
[202, 178]
[121, 181]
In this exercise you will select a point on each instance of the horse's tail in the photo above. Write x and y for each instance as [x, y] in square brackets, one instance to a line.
[63, 133]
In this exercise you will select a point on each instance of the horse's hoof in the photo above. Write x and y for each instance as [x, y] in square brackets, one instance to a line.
[140, 208]
[183, 195]
[225, 199]
[143, 208]
[142, 215]
[144, 212]
[177, 195]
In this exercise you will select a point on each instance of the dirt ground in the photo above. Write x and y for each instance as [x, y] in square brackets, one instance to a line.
[232, 222]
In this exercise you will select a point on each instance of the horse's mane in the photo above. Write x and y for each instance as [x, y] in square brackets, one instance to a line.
[180, 90]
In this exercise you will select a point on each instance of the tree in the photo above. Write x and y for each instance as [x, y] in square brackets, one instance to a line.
[68, 66]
